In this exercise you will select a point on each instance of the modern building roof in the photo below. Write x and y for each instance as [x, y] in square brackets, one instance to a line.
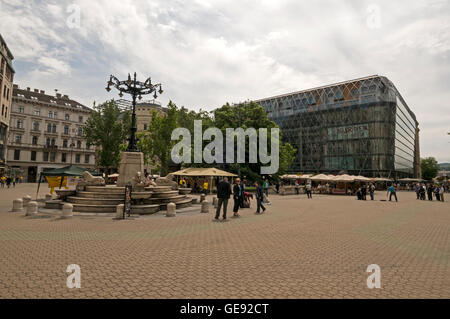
[318, 88]
[349, 82]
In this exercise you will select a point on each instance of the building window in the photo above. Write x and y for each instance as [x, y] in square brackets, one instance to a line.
[80, 131]
[53, 142]
[37, 112]
[3, 109]
[52, 157]
[66, 130]
[63, 157]
[64, 143]
[55, 115]
[145, 127]
[19, 124]
[33, 156]
[86, 159]
[35, 126]
[34, 140]
[54, 128]
[67, 117]
[47, 142]
[80, 119]
[88, 147]
[49, 128]
[77, 158]
[78, 144]
[21, 109]
[45, 157]
[18, 139]
[50, 114]
[16, 155]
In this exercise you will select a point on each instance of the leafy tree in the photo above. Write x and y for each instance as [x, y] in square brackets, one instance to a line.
[156, 142]
[252, 115]
[429, 167]
[107, 132]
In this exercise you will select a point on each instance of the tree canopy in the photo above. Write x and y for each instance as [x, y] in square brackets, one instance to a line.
[430, 168]
[156, 142]
[107, 132]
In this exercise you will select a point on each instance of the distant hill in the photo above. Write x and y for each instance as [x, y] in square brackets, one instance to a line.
[444, 166]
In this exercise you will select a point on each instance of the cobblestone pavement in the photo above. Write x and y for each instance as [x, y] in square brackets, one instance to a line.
[300, 248]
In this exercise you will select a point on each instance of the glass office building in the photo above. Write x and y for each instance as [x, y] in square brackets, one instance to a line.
[363, 127]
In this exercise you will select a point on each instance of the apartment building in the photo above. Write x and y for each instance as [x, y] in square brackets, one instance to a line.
[46, 132]
[6, 88]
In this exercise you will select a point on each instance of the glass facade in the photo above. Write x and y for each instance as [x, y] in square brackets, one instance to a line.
[363, 127]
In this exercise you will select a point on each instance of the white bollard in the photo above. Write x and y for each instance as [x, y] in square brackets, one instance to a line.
[171, 210]
[67, 211]
[215, 202]
[32, 209]
[48, 197]
[119, 211]
[202, 198]
[205, 207]
[26, 200]
[17, 205]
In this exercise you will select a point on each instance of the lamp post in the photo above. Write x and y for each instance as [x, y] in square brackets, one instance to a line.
[136, 89]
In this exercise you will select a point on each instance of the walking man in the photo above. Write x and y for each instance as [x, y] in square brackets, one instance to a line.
[223, 194]
[371, 191]
[259, 199]
[237, 196]
[441, 192]
[297, 187]
[391, 191]
[308, 190]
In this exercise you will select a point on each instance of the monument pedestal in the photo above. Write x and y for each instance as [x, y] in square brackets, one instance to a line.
[130, 164]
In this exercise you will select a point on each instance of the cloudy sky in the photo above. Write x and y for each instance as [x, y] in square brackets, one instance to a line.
[206, 52]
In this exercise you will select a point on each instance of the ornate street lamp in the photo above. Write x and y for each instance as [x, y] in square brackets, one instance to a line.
[136, 89]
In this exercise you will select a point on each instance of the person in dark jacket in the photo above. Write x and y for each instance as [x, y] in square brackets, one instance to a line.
[430, 192]
[259, 199]
[223, 194]
[237, 197]
[241, 200]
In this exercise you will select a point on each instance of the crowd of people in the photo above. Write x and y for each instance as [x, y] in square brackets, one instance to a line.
[241, 198]
[8, 181]
[423, 190]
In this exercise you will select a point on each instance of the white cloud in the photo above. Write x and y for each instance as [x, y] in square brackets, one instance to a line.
[209, 52]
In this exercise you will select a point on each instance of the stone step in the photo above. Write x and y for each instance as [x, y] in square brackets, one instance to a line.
[101, 195]
[85, 208]
[174, 199]
[105, 189]
[169, 194]
[181, 204]
[94, 201]
[144, 209]
[158, 189]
